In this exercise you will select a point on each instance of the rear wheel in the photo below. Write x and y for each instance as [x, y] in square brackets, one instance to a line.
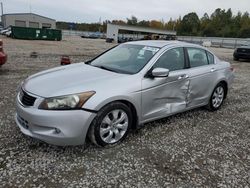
[217, 97]
[111, 124]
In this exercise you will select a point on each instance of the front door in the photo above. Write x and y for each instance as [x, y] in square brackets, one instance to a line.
[167, 95]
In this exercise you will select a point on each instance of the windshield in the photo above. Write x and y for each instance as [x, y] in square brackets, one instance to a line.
[125, 58]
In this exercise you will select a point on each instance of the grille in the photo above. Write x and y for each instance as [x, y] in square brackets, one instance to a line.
[243, 50]
[26, 99]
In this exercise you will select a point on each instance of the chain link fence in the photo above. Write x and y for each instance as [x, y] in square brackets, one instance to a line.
[76, 33]
[216, 41]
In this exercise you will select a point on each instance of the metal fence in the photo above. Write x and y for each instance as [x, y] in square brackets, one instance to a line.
[87, 33]
[75, 33]
[216, 41]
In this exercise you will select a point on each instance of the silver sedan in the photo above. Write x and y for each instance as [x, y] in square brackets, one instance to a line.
[125, 87]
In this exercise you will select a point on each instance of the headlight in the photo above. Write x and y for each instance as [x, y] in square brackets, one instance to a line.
[67, 102]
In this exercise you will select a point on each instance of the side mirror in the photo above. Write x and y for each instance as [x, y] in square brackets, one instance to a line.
[160, 72]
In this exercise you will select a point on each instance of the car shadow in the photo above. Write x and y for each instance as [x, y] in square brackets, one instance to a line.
[34, 144]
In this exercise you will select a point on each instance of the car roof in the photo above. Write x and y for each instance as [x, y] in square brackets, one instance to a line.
[161, 43]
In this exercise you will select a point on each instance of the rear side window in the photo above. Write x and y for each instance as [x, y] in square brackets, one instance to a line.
[172, 59]
[197, 57]
[210, 58]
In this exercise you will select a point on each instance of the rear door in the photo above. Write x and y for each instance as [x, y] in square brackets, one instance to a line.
[164, 96]
[201, 74]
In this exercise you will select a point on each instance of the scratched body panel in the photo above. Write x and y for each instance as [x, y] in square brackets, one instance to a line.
[164, 96]
[201, 85]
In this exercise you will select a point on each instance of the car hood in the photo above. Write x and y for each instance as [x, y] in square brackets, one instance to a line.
[70, 79]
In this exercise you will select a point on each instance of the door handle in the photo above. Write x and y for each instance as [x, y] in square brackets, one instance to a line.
[212, 70]
[184, 76]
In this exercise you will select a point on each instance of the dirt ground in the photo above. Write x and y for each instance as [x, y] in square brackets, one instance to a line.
[197, 148]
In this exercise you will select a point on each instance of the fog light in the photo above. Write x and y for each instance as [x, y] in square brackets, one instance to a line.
[57, 131]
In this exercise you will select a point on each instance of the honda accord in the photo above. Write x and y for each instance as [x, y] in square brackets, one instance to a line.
[119, 90]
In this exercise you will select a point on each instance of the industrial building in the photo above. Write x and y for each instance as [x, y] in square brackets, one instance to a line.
[113, 31]
[28, 20]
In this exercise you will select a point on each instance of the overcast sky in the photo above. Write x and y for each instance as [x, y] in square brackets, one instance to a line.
[92, 10]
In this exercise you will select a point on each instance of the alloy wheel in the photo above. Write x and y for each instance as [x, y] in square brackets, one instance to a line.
[218, 97]
[114, 126]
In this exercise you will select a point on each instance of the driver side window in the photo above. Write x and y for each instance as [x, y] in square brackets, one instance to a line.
[172, 59]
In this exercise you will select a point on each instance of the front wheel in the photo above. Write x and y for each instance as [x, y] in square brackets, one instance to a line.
[217, 97]
[236, 59]
[111, 125]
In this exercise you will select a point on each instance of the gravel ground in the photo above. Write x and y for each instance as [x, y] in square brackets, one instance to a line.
[197, 148]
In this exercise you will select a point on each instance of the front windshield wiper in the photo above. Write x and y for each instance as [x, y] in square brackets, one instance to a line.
[88, 62]
[111, 69]
[106, 68]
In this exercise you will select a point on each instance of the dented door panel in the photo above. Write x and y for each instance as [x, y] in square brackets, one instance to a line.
[202, 83]
[164, 96]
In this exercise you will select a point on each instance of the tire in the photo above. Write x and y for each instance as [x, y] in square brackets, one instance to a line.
[236, 59]
[217, 97]
[111, 125]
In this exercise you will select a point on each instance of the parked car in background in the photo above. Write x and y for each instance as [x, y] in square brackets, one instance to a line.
[4, 31]
[242, 52]
[85, 36]
[3, 55]
[129, 85]
[96, 35]
[8, 33]
[109, 40]
[124, 39]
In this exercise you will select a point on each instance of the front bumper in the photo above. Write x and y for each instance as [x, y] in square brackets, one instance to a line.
[54, 127]
[242, 55]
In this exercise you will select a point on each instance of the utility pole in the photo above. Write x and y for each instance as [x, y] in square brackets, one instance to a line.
[30, 7]
[173, 26]
[2, 8]
[100, 22]
[3, 22]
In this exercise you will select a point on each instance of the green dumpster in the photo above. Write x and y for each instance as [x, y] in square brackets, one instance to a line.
[35, 33]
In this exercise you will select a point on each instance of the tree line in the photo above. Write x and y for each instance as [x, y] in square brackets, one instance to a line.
[221, 23]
